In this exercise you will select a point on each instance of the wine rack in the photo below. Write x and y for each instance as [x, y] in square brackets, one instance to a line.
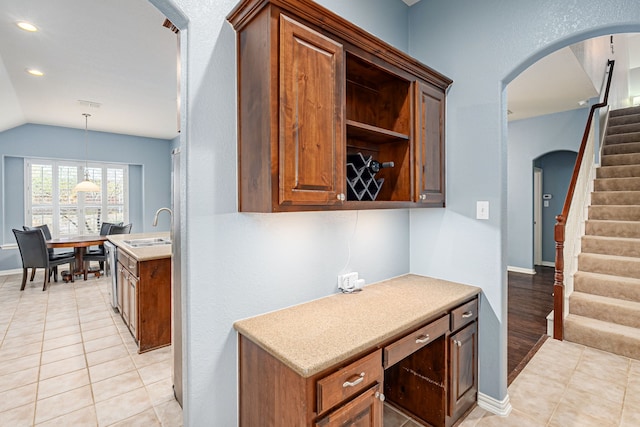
[362, 184]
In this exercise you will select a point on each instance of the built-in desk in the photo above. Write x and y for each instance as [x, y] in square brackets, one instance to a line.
[328, 361]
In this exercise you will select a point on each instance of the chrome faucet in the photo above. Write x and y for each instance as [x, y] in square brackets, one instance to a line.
[155, 218]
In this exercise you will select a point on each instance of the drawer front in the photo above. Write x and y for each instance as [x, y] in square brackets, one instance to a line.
[349, 381]
[400, 349]
[129, 262]
[464, 314]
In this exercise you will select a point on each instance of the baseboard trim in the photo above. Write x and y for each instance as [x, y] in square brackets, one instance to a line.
[10, 272]
[548, 264]
[499, 407]
[521, 270]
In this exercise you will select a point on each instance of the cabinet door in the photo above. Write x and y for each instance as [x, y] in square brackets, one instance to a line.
[363, 411]
[463, 385]
[311, 129]
[429, 145]
[133, 305]
[124, 287]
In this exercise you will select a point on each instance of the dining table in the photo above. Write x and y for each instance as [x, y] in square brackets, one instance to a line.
[79, 244]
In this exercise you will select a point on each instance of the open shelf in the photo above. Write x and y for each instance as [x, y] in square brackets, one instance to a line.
[373, 134]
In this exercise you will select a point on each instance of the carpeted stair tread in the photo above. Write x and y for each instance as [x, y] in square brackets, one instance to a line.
[621, 159]
[605, 308]
[598, 227]
[615, 121]
[622, 138]
[624, 111]
[618, 171]
[615, 212]
[627, 147]
[606, 336]
[620, 246]
[628, 127]
[620, 197]
[609, 264]
[617, 184]
[625, 288]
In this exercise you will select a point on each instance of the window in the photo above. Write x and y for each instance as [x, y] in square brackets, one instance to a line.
[50, 198]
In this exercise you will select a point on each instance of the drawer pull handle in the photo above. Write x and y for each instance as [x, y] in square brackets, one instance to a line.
[422, 339]
[467, 314]
[358, 380]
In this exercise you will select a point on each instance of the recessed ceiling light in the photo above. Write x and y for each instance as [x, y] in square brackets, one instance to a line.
[27, 26]
[34, 72]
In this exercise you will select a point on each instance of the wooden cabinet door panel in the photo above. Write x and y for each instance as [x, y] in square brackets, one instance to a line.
[464, 370]
[133, 305]
[311, 140]
[429, 134]
[363, 411]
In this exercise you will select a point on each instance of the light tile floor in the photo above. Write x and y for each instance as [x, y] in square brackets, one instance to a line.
[67, 359]
[564, 385]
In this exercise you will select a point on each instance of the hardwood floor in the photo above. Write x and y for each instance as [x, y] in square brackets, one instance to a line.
[530, 300]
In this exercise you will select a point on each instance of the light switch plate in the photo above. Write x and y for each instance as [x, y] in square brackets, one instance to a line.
[482, 209]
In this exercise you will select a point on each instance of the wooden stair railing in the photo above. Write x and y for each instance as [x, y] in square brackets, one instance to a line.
[559, 230]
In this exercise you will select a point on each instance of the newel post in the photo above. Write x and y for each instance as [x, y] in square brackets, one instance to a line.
[558, 284]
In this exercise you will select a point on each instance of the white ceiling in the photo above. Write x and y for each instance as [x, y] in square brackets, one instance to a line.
[119, 55]
[114, 53]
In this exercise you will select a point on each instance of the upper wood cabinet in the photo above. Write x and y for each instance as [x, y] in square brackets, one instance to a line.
[314, 91]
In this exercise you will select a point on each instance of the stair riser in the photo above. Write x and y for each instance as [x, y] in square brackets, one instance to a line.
[625, 267]
[621, 138]
[606, 312]
[618, 247]
[603, 340]
[615, 198]
[617, 184]
[627, 171]
[621, 159]
[629, 127]
[607, 286]
[619, 213]
[626, 148]
[612, 229]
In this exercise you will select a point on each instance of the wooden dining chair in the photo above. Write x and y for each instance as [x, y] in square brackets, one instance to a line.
[34, 254]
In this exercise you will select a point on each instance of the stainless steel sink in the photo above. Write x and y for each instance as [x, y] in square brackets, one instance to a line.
[153, 241]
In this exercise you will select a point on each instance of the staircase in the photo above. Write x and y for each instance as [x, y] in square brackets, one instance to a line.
[604, 309]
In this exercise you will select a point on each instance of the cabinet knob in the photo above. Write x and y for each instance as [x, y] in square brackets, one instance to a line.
[458, 343]
[380, 396]
[423, 197]
[341, 197]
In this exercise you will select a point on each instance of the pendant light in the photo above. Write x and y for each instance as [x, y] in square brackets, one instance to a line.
[86, 185]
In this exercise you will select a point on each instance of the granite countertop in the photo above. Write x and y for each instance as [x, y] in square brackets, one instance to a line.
[316, 335]
[144, 253]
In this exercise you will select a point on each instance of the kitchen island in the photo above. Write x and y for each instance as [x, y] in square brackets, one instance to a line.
[332, 361]
[144, 287]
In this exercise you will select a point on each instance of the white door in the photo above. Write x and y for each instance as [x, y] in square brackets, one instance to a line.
[537, 216]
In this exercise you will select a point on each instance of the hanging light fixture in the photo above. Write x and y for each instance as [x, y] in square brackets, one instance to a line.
[86, 185]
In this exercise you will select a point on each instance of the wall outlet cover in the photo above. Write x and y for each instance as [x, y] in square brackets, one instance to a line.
[348, 282]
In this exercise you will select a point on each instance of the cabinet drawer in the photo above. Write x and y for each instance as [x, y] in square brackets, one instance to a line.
[464, 314]
[349, 381]
[129, 262]
[400, 349]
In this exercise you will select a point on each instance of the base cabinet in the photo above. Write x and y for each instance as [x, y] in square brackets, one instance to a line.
[144, 299]
[428, 373]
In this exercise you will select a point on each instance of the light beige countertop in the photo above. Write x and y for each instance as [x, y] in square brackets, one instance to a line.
[316, 335]
[144, 253]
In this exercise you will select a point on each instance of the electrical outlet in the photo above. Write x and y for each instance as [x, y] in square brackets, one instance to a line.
[348, 282]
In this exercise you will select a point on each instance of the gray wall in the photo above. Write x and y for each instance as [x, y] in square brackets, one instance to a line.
[149, 173]
[557, 168]
[482, 46]
[530, 139]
